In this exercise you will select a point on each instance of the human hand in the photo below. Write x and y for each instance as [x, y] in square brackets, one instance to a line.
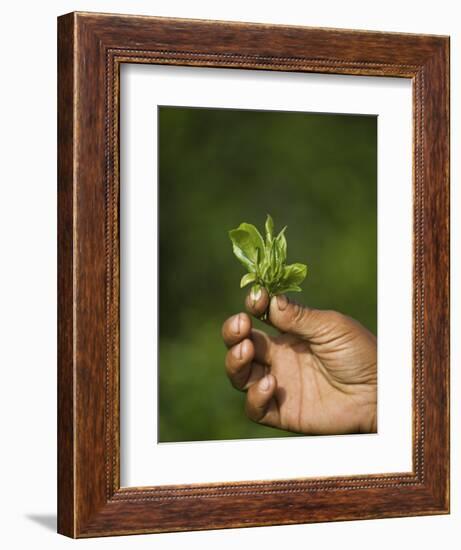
[319, 376]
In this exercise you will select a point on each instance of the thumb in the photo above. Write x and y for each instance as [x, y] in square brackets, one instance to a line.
[296, 319]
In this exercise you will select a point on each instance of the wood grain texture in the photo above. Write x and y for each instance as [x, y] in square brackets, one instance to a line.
[91, 49]
[66, 468]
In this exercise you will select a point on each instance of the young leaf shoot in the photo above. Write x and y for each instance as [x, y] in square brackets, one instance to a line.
[265, 259]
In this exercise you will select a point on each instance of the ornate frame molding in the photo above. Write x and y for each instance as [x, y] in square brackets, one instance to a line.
[91, 49]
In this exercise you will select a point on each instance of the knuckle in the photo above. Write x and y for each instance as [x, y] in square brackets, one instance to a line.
[232, 368]
[251, 409]
[237, 372]
[237, 382]
[229, 362]
[299, 314]
[236, 378]
[337, 318]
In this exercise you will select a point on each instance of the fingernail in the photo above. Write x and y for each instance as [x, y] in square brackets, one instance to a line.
[237, 351]
[282, 302]
[236, 324]
[255, 296]
[265, 383]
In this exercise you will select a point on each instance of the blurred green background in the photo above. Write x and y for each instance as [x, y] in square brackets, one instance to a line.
[315, 173]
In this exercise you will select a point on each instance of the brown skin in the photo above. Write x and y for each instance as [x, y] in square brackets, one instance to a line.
[318, 376]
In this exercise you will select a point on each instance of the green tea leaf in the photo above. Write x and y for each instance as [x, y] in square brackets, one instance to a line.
[269, 226]
[291, 288]
[247, 279]
[248, 245]
[274, 261]
[294, 274]
[255, 289]
[281, 244]
[255, 239]
[264, 266]
[238, 239]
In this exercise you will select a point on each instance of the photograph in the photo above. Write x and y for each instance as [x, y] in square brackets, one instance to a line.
[267, 274]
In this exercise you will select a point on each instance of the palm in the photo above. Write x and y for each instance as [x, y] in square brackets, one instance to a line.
[322, 386]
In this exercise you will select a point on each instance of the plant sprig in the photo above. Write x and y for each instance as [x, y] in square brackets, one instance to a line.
[265, 259]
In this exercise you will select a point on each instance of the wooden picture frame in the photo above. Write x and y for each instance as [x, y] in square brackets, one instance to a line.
[91, 48]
